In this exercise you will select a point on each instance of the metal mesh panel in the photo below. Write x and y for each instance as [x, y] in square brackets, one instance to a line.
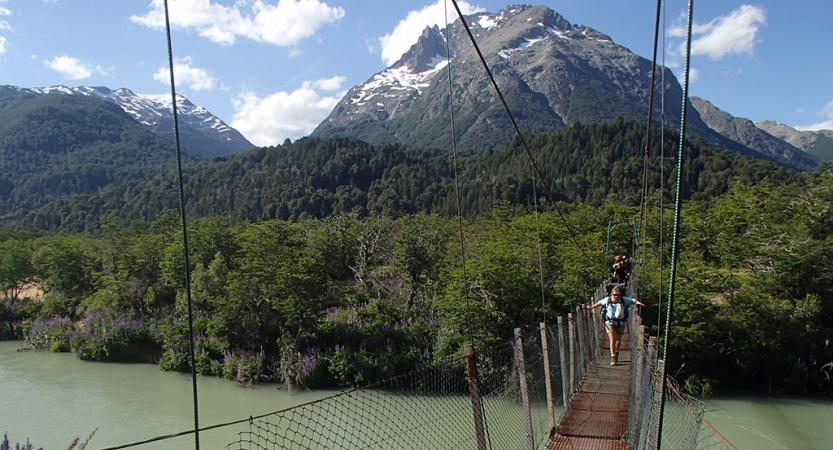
[683, 426]
[432, 409]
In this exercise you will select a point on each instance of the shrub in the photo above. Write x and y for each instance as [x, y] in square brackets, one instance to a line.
[43, 333]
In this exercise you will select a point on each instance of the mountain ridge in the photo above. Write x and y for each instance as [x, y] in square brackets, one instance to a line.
[745, 132]
[200, 131]
[817, 143]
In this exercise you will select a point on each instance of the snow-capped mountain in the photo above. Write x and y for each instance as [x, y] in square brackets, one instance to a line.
[200, 131]
[552, 74]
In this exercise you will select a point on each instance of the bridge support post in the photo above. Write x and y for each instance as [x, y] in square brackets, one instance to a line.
[572, 330]
[545, 348]
[638, 404]
[521, 365]
[474, 392]
[594, 336]
[565, 377]
[586, 338]
[579, 345]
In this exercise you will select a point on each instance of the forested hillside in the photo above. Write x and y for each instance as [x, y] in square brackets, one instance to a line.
[54, 145]
[347, 300]
[312, 178]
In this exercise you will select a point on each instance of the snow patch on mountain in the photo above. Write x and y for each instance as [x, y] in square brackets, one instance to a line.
[400, 79]
[526, 43]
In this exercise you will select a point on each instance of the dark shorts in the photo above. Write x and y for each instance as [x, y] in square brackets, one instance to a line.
[618, 329]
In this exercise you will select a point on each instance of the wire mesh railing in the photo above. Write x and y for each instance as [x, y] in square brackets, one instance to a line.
[683, 426]
[510, 396]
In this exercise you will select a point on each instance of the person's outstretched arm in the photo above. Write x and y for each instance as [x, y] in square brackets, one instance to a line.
[596, 304]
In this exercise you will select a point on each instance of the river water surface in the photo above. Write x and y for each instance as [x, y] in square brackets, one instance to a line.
[52, 398]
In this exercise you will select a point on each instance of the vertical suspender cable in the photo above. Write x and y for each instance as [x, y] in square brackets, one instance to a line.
[661, 179]
[540, 262]
[457, 176]
[184, 234]
[674, 243]
[457, 192]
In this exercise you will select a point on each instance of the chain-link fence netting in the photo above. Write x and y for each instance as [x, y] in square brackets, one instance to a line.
[510, 396]
[682, 426]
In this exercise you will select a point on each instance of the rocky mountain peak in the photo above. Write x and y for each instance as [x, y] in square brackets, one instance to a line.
[552, 73]
[426, 54]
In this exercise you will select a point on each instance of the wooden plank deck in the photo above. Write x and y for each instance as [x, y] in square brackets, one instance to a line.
[598, 414]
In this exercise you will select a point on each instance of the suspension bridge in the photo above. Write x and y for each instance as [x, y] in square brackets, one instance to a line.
[547, 389]
[551, 389]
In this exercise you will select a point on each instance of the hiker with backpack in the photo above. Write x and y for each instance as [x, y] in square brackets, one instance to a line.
[614, 310]
[622, 270]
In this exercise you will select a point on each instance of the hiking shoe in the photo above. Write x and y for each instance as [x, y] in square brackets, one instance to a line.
[612, 360]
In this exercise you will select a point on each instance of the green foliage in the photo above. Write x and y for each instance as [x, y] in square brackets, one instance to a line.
[753, 293]
[354, 298]
[55, 145]
[16, 269]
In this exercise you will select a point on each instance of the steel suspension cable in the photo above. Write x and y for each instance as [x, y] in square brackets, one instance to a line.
[518, 130]
[642, 201]
[184, 233]
[677, 200]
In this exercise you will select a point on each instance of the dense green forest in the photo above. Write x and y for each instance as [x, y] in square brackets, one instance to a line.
[312, 178]
[55, 145]
[349, 299]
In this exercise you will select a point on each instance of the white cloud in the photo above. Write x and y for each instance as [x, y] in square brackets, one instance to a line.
[272, 119]
[284, 24]
[325, 84]
[693, 74]
[4, 26]
[827, 112]
[184, 74]
[69, 67]
[409, 29]
[734, 33]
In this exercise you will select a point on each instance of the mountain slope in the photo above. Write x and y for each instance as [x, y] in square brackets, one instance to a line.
[54, 145]
[593, 164]
[817, 143]
[200, 131]
[747, 133]
[551, 74]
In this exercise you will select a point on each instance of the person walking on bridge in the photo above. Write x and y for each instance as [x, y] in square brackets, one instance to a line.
[615, 312]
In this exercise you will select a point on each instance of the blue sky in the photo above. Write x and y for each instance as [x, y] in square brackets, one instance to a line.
[274, 69]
